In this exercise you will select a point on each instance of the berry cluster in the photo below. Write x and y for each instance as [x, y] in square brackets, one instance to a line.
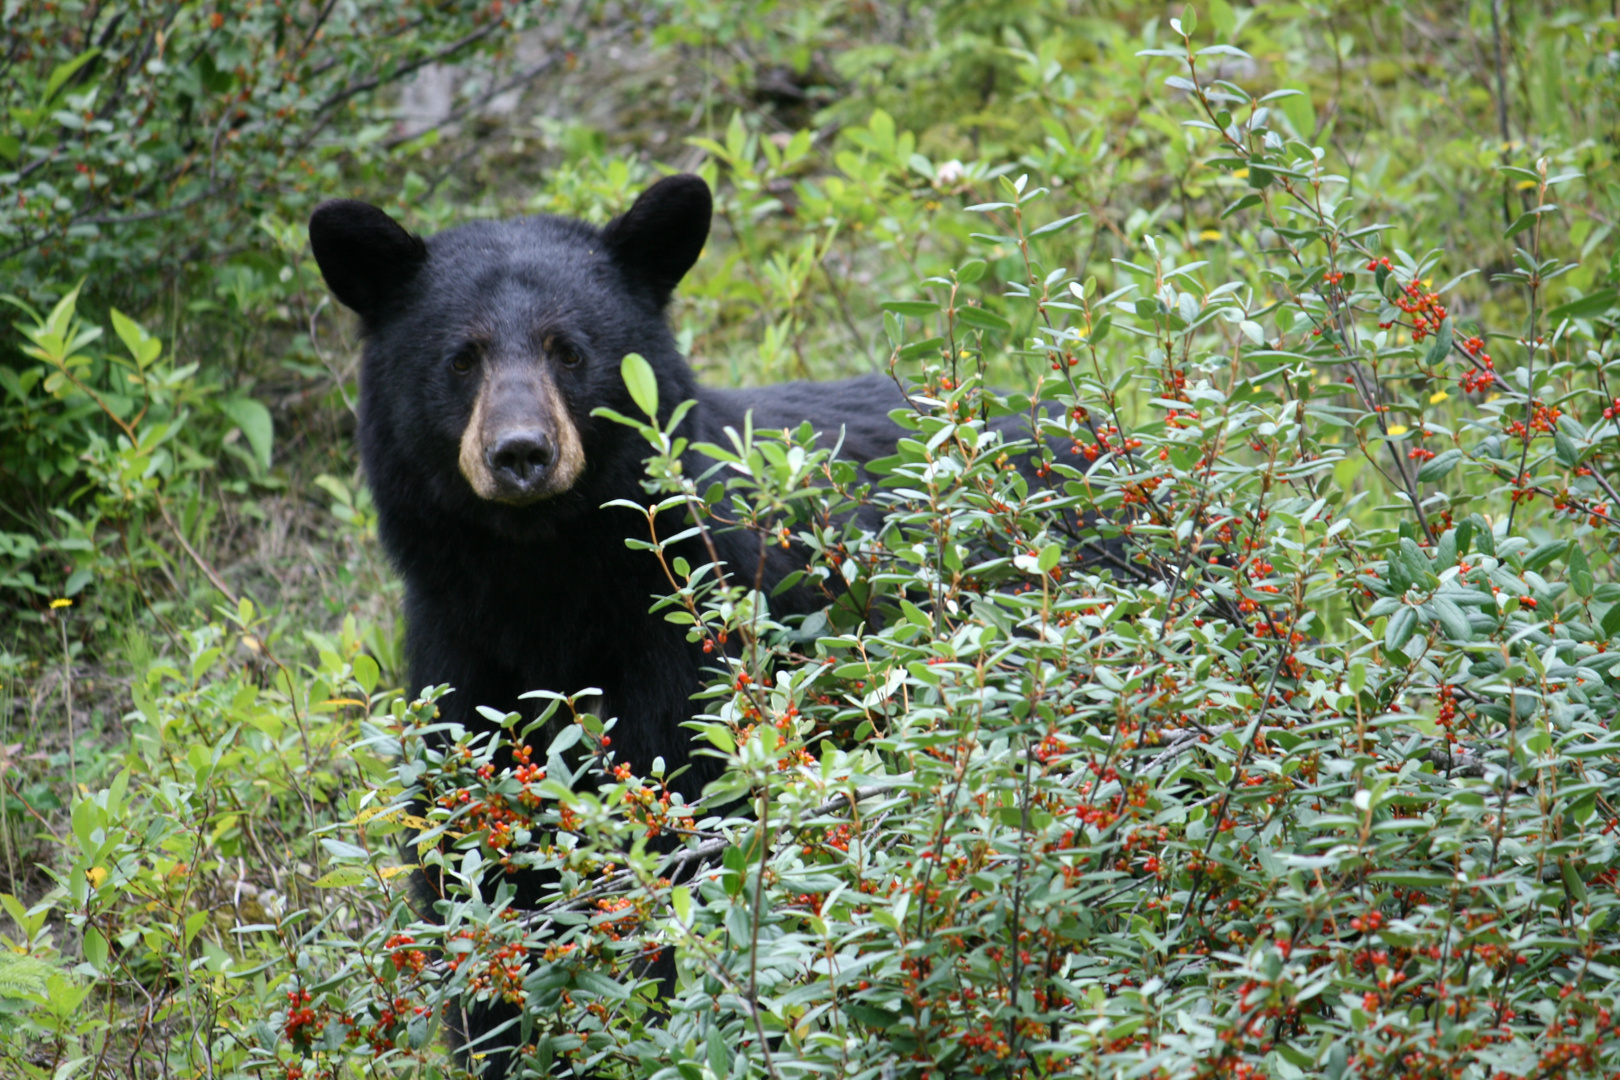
[1482, 376]
[1543, 421]
[1424, 308]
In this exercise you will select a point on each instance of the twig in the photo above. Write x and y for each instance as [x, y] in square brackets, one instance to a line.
[1501, 105]
[1530, 342]
[67, 698]
[1184, 741]
[202, 564]
[754, 924]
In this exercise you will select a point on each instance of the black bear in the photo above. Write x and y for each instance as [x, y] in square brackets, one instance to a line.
[486, 349]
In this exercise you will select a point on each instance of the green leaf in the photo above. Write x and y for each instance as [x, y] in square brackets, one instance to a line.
[680, 898]
[1452, 620]
[77, 581]
[10, 147]
[1421, 879]
[1582, 583]
[344, 877]
[366, 672]
[970, 271]
[641, 382]
[1526, 220]
[1050, 555]
[1441, 349]
[341, 849]
[1578, 562]
[1545, 555]
[142, 346]
[1052, 227]
[65, 71]
[980, 319]
[1564, 450]
[918, 349]
[257, 427]
[914, 308]
[915, 615]
[1398, 631]
[1297, 1058]
[1413, 560]
[212, 78]
[336, 488]
[1572, 881]
[1585, 307]
[1439, 465]
[1244, 203]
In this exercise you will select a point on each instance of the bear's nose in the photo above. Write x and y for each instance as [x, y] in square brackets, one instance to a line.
[520, 457]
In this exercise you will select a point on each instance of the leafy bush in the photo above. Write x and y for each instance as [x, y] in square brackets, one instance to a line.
[120, 422]
[1285, 789]
[183, 140]
[228, 766]
[158, 132]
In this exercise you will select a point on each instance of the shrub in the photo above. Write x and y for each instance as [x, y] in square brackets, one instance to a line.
[1291, 786]
[156, 133]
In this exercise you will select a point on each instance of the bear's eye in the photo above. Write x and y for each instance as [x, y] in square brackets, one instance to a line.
[465, 360]
[560, 351]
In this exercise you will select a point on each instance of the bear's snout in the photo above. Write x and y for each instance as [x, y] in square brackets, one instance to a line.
[520, 459]
[521, 444]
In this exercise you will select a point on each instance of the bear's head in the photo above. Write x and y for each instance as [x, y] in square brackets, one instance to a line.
[489, 345]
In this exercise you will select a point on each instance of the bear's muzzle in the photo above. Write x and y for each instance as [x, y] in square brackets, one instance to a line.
[520, 444]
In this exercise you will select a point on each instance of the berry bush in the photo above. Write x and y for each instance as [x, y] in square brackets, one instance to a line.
[1181, 764]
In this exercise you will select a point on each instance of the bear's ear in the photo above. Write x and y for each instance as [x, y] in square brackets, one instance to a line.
[658, 239]
[365, 255]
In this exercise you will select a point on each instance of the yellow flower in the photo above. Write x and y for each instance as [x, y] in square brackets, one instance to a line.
[1437, 398]
[1241, 174]
[61, 602]
[1525, 185]
[1210, 234]
[96, 874]
[1397, 429]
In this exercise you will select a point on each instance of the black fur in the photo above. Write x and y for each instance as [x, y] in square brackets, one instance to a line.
[502, 599]
[365, 256]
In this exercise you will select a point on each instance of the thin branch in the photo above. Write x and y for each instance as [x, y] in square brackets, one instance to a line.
[1501, 105]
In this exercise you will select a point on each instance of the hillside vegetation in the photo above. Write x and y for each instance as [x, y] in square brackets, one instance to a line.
[1316, 777]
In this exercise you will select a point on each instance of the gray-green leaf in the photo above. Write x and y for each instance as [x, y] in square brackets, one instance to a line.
[257, 427]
